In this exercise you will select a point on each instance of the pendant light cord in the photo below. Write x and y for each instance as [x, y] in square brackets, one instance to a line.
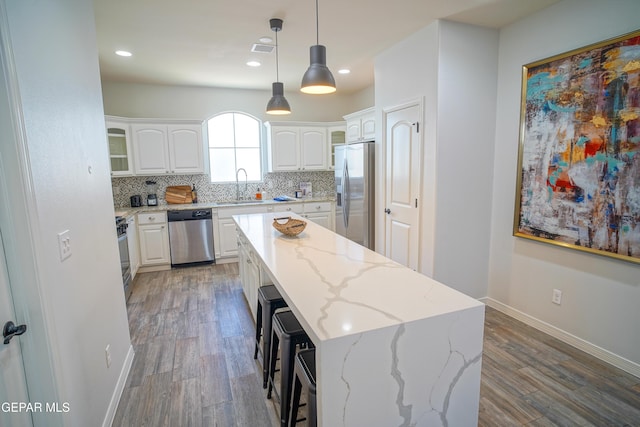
[277, 71]
[317, 25]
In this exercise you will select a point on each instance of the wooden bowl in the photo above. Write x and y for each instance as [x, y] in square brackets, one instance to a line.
[292, 227]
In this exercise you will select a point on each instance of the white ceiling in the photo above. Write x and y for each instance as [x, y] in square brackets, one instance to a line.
[208, 42]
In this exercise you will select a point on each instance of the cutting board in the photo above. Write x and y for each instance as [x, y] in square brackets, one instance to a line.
[178, 194]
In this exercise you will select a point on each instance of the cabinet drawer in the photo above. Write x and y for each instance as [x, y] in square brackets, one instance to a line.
[241, 210]
[289, 207]
[317, 207]
[152, 218]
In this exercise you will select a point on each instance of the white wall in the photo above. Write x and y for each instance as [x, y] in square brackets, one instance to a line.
[190, 102]
[67, 181]
[600, 295]
[453, 68]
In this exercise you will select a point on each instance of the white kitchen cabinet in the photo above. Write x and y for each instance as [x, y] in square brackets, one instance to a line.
[249, 268]
[321, 213]
[151, 152]
[185, 149]
[132, 243]
[296, 147]
[252, 274]
[161, 148]
[119, 141]
[227, 241]
[337, 136]
[297, 208]
[153, 236]
[361, 125]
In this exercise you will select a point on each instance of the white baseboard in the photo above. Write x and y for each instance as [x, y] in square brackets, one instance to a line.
[592, 349]
[117, 392]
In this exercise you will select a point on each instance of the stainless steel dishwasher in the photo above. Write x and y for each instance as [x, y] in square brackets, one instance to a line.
[191, 236]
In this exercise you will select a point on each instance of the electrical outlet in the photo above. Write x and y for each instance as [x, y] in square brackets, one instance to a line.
[64, 244]
[107, 355]
[116, 190]
[557, 296]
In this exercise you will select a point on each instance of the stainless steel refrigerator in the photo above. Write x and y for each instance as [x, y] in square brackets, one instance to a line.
[355, 192]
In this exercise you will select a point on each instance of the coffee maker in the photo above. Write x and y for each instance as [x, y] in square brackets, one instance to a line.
[152, 198]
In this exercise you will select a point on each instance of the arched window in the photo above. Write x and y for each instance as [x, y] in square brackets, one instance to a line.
[234, 143]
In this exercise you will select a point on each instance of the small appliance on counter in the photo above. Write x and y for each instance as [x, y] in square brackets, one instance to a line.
[152, 198]
[136, 201]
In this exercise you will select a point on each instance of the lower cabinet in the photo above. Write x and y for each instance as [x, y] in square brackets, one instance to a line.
[227, 241]
[321, 213]
[249, 275]
[252, 275]
[153, 236]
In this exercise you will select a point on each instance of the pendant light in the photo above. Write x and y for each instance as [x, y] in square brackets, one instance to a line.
[318, 80]
[278, 104]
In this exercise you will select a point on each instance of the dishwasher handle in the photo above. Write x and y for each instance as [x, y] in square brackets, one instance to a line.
[189, 215]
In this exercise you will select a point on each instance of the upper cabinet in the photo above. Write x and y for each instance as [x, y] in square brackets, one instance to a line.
[185, 148]
[155, 147]
[151, 149]
[361, 125]
[296, 147]
[337, 136]
[119, 148]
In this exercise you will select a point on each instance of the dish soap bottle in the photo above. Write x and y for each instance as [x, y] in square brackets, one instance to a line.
[194, 194]
[259, 195]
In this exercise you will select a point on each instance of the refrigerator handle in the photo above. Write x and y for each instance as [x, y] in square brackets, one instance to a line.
[347, 195]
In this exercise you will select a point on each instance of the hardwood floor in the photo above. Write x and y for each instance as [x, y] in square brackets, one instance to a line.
[193, 337]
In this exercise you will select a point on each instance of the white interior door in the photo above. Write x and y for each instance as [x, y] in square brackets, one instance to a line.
[402, 204]
[13, 387]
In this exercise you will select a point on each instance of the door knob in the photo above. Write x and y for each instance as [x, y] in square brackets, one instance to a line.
[387, 211]
[10, 330]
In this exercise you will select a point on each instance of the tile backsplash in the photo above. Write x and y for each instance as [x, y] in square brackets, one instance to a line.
[274, 184]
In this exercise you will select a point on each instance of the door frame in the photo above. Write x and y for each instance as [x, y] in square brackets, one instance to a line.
[414, 102]
[20, 231]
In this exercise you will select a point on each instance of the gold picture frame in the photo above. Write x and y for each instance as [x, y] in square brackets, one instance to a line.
[578, 182]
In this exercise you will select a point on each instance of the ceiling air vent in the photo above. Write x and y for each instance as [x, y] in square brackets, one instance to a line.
[262, 48]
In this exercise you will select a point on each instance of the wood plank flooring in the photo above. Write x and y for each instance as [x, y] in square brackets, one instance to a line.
[193, 337]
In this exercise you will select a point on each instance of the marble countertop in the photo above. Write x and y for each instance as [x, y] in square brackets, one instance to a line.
[337, 287]
[129, 211]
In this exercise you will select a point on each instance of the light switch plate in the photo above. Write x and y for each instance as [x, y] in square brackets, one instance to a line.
[64, 244]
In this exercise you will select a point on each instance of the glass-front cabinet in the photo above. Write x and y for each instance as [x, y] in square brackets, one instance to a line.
[119, 148]
[337, 136]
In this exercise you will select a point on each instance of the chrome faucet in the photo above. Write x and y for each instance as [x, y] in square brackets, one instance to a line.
[238, 183]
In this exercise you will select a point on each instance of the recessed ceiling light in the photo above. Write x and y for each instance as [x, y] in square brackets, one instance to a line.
[344, 71]
[123, 53]
[265, 39]
[253, 64]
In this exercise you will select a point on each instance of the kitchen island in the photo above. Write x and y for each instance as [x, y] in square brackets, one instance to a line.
[393, 347]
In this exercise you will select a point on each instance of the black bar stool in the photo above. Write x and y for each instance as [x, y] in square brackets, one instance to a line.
[269, 300]
[288, 331]
[304, 379]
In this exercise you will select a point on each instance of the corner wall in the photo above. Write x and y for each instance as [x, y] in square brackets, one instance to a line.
[600, 295]
[62, 170]
[451, 67]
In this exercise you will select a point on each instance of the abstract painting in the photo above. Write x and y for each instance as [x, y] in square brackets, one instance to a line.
[579, 157]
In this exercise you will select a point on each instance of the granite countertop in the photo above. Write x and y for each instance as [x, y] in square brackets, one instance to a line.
[129, 211]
